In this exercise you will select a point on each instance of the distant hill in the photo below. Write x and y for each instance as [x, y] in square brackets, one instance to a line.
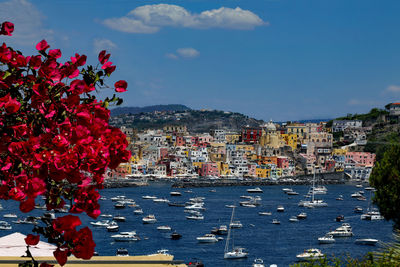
[194, 120]
[137, 110]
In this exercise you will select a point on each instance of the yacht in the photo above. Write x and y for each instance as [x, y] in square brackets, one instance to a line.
[264, 213]
[164, 228]
[276, 221]
[122, 252]
[293, 219]
[119, 218]
[118, 198]
[358, 209]
[149, 197]
[126, 236]
[221, 230]
[195, 217]
[366, 241]
[120, 205]
[302, 216]
[310, 254]
[234, 252]
[254, 190]
[314, 203]
[258, 263]
[342, 231]
[372, 215]
[138, 211]
[5, 225]
[195, 206]
[207, 238]
[292, 193]
[175, 236]
[10, 215]
[113, 227]
[106, 215]
[236, 224]
[149, 219]
[160, 200]
[280, 208]
[175, 194]
[102, 223]
[327, 239]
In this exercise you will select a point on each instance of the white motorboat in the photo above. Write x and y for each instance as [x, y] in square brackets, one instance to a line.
[164, 228]
[102, 223]
[265, 213]
[372, 215]
[280, 208]
[230, 206]
[160, 200]
[149, 197]
[258, 263]
[314, 203]
[310, 254]
[10, 215]
[234, 252]
[175, 194]
[126, 236]
[275, 221]
[292, 193]
[120, 205]
[342, 231]
[236, 224]
[27, 220]
[118, 198]
[149, 219]
[254, 190]
[327, 239]
[195, 217]
[122, 252]
[113, 227]
[207, 238]
[302, 216]
[138, 211]
[358, 209]
[293, 219]
[366, 241]
[119, 218]
[221, 230]
[106, 215]
[195, 206]
[5, 225]
[285, 190]
[248, 205]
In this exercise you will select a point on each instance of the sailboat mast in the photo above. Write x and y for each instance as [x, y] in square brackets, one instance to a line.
[313, 186]
[229, 232]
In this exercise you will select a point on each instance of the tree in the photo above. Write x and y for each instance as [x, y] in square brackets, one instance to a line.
[55, 140]
[385, 177]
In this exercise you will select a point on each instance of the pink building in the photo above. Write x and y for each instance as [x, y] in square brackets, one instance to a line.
[209, 169]
[360, 158]
[163, 152]
[252, 170]
[283, 162]
[180, 141]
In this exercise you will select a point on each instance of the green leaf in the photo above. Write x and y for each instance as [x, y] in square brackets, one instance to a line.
[6, 74]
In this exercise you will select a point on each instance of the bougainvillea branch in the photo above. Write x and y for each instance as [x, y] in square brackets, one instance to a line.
[55, 140]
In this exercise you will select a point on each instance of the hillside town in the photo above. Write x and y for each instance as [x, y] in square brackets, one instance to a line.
[269, 151]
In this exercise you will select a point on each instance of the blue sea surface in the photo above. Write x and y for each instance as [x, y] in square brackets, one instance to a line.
[276, 244]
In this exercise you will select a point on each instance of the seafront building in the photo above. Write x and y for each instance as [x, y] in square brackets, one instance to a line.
[270, 151]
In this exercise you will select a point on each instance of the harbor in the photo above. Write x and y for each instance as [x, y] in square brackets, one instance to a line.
[273, 243]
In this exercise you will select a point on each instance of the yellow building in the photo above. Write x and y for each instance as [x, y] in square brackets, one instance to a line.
[339, 151]
[298, 129]
[263, 172]
[232, 138]
[291, 140]
[223, 168]
[197, 164]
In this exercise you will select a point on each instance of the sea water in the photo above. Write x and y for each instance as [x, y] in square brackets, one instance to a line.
[275, 244]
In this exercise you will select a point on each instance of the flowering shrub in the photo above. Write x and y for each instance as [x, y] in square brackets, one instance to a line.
[55, 140]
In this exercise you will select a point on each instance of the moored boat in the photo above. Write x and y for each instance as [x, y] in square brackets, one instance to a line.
[310, 254]
[207, 238]
[149, 219]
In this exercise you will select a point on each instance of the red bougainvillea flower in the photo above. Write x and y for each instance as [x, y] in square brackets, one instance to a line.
[120, 86]
[68, 222]
[108, 69]
[61, 256]
[42, 45]
[83, 244]
[103, 57]
[32, 240]
[7, 28]
[56, 53]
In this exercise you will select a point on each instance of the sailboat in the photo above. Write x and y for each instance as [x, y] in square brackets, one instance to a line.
[235, 252]
[313, 203]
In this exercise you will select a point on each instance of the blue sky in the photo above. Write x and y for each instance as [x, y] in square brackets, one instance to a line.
[269, 59]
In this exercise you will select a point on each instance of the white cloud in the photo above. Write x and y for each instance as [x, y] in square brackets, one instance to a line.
[188, 52]
[393, 89]
[29, 29]
[151, 18]
[171, 56]
[103, 44]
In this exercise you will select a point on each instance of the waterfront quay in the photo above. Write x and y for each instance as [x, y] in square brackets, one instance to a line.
[325, 178]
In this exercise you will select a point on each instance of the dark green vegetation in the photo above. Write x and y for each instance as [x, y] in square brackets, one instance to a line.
[195, 120]
[385, 178]
[137, 110]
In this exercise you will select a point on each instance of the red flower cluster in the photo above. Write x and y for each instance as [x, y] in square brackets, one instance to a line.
[55, 139]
